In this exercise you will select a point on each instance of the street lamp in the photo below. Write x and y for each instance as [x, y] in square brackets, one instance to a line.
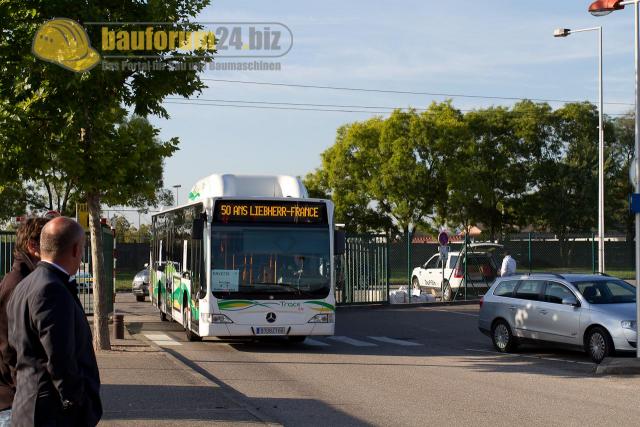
[177, 186]
[600, 8]
[564, 32]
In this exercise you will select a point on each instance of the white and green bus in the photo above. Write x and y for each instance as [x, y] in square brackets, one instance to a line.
[249, 256]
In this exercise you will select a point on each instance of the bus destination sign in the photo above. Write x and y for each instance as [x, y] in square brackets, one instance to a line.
[262, 211]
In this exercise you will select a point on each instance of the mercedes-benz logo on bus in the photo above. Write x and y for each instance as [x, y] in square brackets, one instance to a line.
[271, 317]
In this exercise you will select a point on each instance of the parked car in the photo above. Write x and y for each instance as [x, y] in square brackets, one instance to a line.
[445, 282]
[84, 279]
[594, 312]
[140, 285]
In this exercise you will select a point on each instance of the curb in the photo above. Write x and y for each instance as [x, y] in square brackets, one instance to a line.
[365, 306]
[619, 366]
[194, 371]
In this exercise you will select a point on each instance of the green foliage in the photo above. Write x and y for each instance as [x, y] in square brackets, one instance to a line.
[500, 168]
[74, 126]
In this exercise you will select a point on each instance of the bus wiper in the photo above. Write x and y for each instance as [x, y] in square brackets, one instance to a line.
[278, 286]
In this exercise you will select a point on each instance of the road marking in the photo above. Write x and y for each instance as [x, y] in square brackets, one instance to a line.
[159, 337]
[395, 341]
[310, 341]
[351, 341]
[162, 339]
[529, 357]
[449, 311]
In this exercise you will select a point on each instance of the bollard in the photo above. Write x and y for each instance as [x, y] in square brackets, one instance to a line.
[118, 326]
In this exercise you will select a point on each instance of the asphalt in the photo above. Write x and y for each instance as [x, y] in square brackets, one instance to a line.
[142, 385]
[385, 366]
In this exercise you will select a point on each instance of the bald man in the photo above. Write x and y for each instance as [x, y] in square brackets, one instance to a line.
[57, 378]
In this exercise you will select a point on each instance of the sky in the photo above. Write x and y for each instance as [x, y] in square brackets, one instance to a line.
[499, 48]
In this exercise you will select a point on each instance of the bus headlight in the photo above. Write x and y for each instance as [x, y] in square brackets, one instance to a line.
[322, 318]
[217, 318]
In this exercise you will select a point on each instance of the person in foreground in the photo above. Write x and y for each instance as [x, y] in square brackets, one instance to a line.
[26, 256]
[57, 378]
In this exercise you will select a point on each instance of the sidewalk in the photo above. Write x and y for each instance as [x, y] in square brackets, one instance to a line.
[144, 386]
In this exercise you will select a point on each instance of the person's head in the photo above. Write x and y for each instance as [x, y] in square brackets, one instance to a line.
[507, 253]
[62, 242]
[28, 237]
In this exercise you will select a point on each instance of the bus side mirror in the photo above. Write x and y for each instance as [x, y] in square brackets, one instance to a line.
[201, 293]
[197, 229]
[339, 242]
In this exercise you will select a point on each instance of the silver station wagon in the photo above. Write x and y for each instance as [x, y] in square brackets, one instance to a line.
[595, 312]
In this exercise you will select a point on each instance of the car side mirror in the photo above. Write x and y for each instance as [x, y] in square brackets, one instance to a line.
[571, 301]
[339, 242]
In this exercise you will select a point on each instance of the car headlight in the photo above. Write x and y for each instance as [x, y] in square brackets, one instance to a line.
[322, 318]
[628, 324]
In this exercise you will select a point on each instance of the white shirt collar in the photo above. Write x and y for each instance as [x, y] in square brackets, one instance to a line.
[57, 266]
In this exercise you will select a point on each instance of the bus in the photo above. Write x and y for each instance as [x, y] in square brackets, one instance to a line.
[248, 256]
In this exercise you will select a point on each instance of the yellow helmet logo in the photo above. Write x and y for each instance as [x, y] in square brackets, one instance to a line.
[64, 42]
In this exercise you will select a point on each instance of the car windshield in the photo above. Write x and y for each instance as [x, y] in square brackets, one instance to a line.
[612, 291]
[267, 262]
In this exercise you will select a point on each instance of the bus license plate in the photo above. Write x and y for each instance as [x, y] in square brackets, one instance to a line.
[270, 331]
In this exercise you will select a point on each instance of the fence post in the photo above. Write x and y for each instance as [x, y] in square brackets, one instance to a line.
[593, 253]
[466, 239]
[386, 256]
[409, 262]
[529, 252]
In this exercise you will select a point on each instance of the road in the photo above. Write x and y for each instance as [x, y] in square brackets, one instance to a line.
[390, 366]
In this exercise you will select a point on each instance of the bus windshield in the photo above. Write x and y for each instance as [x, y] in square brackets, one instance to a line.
[270, 262]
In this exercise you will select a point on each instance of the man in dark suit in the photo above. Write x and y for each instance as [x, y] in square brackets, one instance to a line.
[57, 378]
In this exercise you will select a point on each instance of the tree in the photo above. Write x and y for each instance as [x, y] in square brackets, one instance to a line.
[491, 174]
[81, 117]
[620, 148]
[386, 174]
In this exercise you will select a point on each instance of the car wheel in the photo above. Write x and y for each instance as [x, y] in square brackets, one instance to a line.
[598, 344]
[446, 291]
[503, 339]
[191, 336]
[415, 283]
[140, 298]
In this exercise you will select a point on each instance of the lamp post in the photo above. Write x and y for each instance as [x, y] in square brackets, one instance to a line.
[601, 8]
[177, 186]
[564, 32]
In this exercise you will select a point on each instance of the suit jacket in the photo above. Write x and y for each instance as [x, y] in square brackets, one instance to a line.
[21, 268]
[57, 378]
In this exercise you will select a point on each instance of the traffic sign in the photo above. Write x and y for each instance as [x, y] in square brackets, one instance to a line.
[634, 206]
[443, 238]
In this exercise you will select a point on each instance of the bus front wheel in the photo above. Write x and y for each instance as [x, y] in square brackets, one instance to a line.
[191, 336]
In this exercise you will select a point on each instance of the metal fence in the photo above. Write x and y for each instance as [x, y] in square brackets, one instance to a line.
[84, 276]
[543, 252]
[363, 271]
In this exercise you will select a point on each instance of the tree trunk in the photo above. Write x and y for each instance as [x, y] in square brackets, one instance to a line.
[100, 315]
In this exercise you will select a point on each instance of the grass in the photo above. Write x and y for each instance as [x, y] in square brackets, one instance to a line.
[123, 280]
